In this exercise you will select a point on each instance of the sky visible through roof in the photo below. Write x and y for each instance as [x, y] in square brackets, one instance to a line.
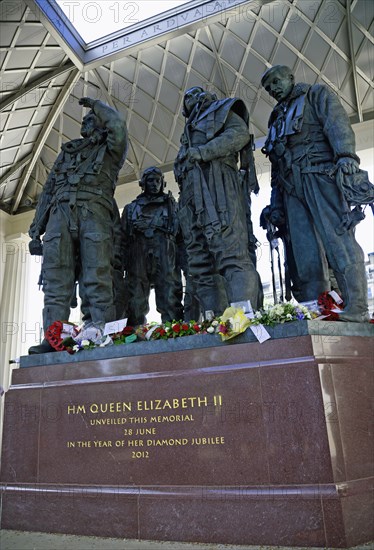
[94, 20]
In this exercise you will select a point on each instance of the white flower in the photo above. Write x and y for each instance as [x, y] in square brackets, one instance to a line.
[288, 316]
[76, 347]
[214, 323]
[210, 330]
[85, 343]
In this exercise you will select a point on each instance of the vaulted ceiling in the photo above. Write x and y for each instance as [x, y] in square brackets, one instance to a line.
[44, 72]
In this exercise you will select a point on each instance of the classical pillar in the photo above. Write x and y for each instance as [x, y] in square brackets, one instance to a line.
[17, 330]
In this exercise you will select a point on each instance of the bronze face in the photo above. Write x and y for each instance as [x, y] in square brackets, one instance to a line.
[279, 85]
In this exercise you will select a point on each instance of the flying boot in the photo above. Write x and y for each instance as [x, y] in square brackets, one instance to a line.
[50, 315]
[244, 285]
[353, 284]
[93, 327]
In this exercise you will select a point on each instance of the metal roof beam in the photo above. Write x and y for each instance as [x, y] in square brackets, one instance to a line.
[14, 167]
[35, 84]
[39, 144]
[353, 60]
[226, 91]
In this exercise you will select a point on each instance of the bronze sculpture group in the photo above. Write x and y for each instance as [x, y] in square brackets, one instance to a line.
[312, 151]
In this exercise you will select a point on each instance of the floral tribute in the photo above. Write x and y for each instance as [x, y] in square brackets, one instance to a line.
[330, 306]
[67, 336]
[59, 335]
[169, 329]
[283, 313]
[232, 323]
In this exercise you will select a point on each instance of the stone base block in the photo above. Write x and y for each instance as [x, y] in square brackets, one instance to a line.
[238, 443]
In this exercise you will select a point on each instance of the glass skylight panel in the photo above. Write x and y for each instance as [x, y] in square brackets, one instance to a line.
[95, 20]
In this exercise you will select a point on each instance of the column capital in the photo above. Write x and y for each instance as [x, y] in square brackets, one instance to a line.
[17, 237]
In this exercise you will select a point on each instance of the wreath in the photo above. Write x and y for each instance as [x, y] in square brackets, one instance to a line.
[56, 336]
[327, 303]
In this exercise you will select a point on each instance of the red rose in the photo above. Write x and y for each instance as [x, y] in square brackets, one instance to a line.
[196, 328]
[185, 326]
[176, 328]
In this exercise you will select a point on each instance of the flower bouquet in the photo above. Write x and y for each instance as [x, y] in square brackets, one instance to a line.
[232, 322]
[282, 313]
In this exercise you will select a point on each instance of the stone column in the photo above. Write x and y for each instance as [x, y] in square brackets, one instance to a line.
[15, 331]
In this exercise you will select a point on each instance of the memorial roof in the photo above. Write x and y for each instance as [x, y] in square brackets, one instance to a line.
[142, 69]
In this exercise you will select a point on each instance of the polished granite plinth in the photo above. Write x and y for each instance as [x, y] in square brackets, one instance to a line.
[196, 440]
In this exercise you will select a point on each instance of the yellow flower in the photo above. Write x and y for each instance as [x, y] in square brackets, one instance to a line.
[238, 322]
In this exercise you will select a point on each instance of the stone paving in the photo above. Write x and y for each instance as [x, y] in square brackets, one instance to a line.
[22, 540]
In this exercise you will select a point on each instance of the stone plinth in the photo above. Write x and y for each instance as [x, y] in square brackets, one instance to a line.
[195, 440]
